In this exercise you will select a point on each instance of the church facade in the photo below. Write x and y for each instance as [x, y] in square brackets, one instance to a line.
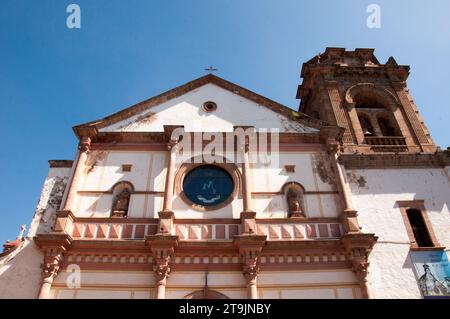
[211, 191]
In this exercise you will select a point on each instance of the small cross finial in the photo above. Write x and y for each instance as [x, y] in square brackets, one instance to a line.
[22, 230]
[211, 69]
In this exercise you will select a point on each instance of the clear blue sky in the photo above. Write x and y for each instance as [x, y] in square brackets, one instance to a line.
[52, 77]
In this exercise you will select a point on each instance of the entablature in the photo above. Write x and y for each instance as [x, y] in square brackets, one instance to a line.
[377, 161]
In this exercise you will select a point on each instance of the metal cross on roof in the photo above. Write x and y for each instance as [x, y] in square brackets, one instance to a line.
[211, 69]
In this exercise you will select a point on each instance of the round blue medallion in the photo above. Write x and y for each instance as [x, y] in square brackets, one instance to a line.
[208, 185]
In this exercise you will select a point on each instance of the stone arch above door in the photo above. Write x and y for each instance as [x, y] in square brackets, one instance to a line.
[206, 294]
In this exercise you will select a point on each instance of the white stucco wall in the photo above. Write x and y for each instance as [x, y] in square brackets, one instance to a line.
[391, 273]
[272, 179]
[327, 284]
[187, 110]
[148, 175]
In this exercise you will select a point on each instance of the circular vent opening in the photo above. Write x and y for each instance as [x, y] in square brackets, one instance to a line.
[209, 106]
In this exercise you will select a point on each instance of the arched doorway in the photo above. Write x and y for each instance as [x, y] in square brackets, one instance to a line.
[206, 294]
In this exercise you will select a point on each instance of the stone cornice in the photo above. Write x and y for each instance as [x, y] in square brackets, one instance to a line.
[52, 240]
[380, 161]
[60, 163]
[159, 140]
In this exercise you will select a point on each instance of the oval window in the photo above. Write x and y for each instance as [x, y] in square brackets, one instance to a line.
[208, 185]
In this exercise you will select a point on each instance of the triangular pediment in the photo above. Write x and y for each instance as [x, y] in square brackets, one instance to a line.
[183, 106]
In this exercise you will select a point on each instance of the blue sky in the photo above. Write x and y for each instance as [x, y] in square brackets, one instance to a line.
[52, 77]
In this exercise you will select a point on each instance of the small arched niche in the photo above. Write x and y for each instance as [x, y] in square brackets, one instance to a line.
[121, 199]
[294, 197]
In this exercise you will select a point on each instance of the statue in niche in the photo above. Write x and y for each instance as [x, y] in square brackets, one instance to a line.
[294, 200]
[120, 205]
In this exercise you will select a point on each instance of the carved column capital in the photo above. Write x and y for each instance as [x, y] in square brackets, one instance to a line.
[332, 145]
[173, 145]
[251, 272]
[332, 138]
[84, 145]
[360, 267]
[50, 268]
[251, 266]
[162, 268]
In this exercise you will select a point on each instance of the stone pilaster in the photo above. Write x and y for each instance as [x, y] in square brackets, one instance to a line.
[83, 150]
[166, 216]
[248, 216]
[355, 124]
[411, 115]
[246, 178]
[331, 138]
[339, 110]
[349, 214]
[170, 176]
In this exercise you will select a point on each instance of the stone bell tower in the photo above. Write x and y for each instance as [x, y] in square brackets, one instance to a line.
[370, 100]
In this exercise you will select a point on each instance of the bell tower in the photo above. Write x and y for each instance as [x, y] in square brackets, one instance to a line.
[370, 100]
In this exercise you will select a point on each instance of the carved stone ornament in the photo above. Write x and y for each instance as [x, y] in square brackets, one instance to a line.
[251, 272]
[161, 272]
[332, 145]
[50, 268]
[84, 145]
[162, 268]
[121, 202]
[251, 267]
[360, 266]
[294, 199]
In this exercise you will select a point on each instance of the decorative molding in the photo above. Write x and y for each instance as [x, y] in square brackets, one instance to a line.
[381, 161]
[60, 163]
